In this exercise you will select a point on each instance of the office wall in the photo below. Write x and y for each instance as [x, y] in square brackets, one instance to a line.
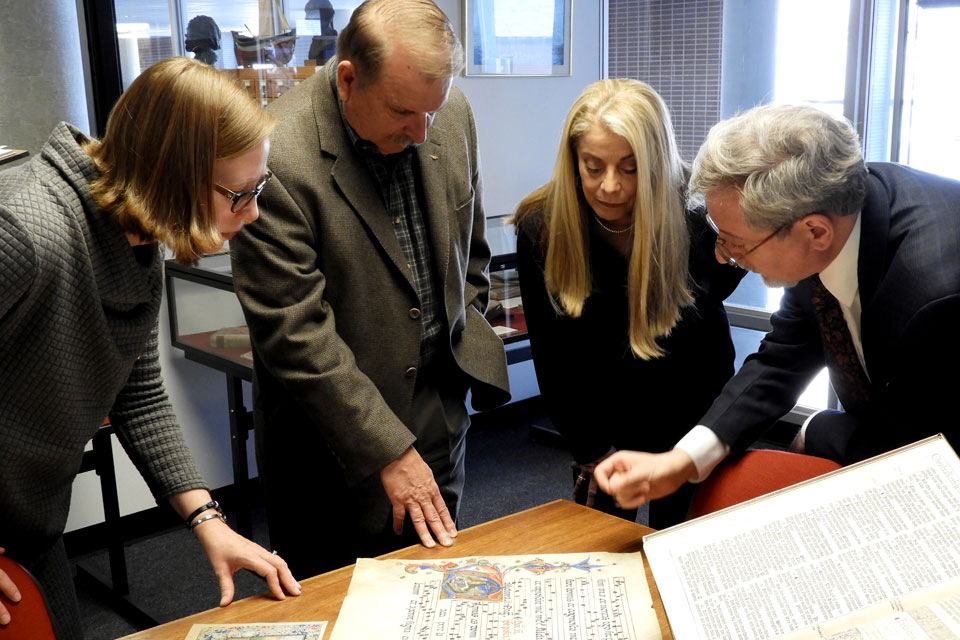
[518, 122]
[519, 119]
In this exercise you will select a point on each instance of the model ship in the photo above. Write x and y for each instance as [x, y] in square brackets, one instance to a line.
[274, 45]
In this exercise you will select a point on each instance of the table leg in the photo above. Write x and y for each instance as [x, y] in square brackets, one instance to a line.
[241, 421]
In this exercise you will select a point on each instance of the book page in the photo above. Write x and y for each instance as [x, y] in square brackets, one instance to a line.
[862, 535]
[935, 621]
[928, 614]
[6, 153]
[603, 596]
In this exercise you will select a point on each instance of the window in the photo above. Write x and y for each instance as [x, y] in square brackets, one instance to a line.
[143, 35]
[811, 72]
[880, 63]
[675, 47]
[212, 27]
[929, 128]
[269, 52]
[517, 37]
[785, 50]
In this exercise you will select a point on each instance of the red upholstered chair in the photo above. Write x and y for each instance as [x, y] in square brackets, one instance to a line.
[29, 617]
[753, 474]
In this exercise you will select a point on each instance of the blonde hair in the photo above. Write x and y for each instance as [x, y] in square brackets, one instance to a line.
[657, 276]
[156, 160]
[378, 27]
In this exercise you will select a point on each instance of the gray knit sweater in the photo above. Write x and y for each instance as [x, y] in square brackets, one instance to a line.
[78, 341]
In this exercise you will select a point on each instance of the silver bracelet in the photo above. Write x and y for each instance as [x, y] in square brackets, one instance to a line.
[211, 516]
[199, 521]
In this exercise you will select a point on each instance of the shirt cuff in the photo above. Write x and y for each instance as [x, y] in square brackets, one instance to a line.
[705, 449]
[800, 444]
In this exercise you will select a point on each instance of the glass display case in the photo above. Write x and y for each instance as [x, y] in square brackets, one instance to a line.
[206, 321]
[505, 308]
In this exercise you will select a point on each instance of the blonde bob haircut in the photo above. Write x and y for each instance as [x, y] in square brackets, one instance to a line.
[658, 284]
[156, 160]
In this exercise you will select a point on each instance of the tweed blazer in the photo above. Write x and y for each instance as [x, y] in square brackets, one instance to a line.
[326, 290]
[78, 341]
[909, 279]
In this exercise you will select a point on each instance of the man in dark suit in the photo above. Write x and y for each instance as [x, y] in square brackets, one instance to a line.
[870, 256]
[364, 285]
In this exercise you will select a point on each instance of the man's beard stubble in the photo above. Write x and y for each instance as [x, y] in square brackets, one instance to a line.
[773, 284]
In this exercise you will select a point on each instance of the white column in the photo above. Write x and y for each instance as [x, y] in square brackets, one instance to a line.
[41, 72]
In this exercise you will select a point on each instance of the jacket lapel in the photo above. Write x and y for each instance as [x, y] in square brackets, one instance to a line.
[364, 199]
[874, 232]
[352, 176]
[437, 212]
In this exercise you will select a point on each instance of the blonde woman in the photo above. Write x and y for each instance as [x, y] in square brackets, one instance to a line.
[622, 294]
[81, 277]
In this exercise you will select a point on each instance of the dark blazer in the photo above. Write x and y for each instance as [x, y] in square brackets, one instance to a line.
[597, 393]
[909, 279]
[327, 294]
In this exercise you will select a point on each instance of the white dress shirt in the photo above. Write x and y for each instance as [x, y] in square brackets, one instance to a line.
[840, 279]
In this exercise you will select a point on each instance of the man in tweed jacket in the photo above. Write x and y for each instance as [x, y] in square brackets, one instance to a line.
[364, 285]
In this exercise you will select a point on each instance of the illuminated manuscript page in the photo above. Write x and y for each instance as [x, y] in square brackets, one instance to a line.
[602, 596]
[258, 631]
[860, 539]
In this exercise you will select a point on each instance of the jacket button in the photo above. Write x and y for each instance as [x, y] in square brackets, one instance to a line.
[411, 372]
[414, 313]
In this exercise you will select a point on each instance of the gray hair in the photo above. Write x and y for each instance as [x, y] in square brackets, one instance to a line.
[376, 27]
[786, 161]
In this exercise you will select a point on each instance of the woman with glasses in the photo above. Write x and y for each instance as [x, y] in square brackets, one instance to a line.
[622, 293]
[182, 161]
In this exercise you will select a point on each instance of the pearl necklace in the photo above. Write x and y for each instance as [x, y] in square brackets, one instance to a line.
[608, 229]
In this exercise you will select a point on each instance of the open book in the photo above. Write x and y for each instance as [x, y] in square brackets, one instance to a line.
[868, 551]
[8, 154]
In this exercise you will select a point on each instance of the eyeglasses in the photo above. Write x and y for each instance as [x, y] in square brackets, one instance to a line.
[721, 244]
[240, 200]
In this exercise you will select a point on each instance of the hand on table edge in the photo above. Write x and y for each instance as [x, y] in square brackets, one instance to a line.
[411, 489]
[228, 552]
[8, 589]
[635, 477]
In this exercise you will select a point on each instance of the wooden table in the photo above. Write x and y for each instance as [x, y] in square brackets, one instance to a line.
[556, 527]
